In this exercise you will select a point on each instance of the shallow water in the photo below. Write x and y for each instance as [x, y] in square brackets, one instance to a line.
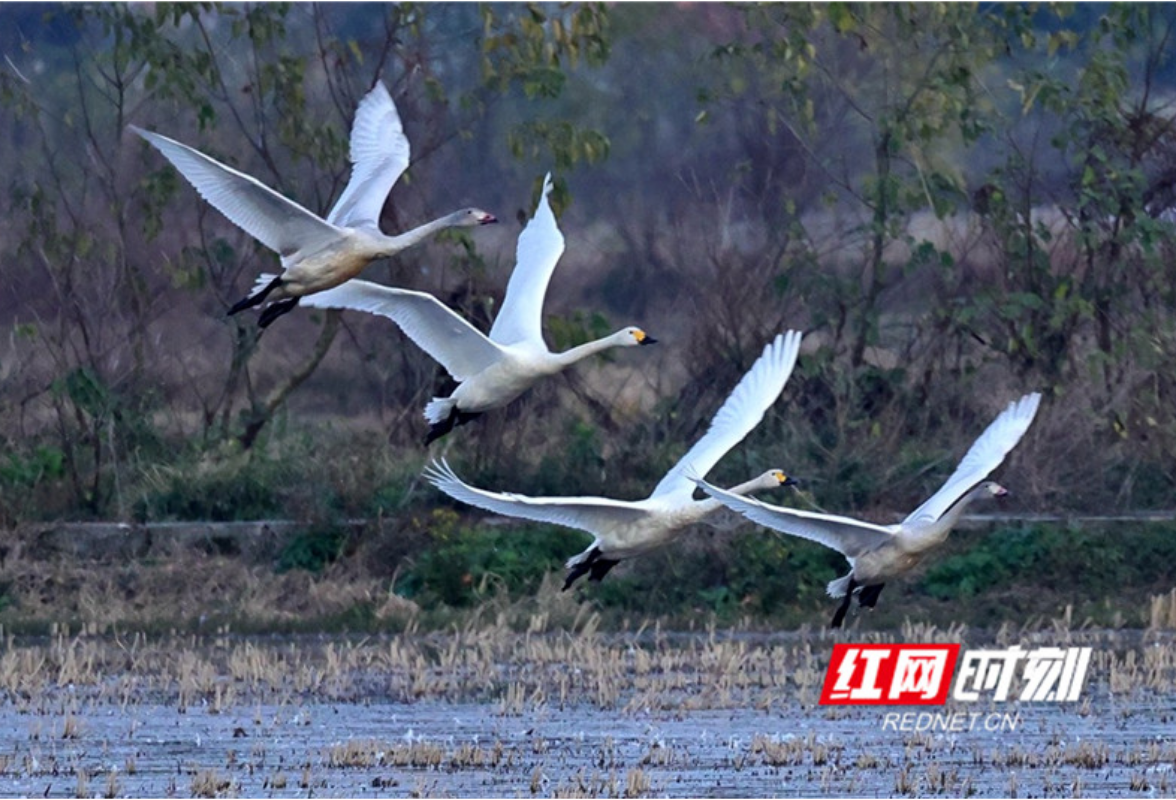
[141, 736]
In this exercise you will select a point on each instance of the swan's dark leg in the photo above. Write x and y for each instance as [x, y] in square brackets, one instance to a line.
[275, 310]
[466, 416]
[256, 298]
[583, 567]
[439, 429]
[839, 616]
[600, 568]
[593, 564]
[868, 597]
[455, 418]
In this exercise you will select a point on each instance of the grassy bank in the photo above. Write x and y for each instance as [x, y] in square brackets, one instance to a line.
[433, 568]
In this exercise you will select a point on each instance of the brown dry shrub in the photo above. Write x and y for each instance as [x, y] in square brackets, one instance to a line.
[185, 588]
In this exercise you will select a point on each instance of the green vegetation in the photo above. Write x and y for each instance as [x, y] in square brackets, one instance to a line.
[1095, 562]
[438, 570]
[312, 549]
[221, 493]
[461, 566]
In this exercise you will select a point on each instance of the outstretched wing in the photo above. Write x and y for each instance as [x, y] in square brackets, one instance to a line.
[540, 245]
[739, 414]
[456, 344]
[277, 222]
[850, 537]
[985, 455]
[379, 155]
[592, 514]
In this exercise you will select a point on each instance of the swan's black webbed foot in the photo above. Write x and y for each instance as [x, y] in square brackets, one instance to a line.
[255, 299]
[842, 609]
[455, 418]
[868, 597]
[275, 310]
[600, 568]
[595, 567]
[582, 568]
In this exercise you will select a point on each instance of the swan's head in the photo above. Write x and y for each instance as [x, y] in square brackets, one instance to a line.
[769, 480]
[992, 489]
[471, 218]
[776, 477]
[632, 337]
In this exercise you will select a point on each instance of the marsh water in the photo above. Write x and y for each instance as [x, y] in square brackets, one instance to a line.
[518, 715]
[434, 749]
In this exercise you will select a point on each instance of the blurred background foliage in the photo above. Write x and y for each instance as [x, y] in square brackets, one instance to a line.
[958, 203]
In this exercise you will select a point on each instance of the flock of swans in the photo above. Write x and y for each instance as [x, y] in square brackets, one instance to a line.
[322, 257]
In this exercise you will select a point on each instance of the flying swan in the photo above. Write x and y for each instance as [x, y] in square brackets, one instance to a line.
[624, 529]
[492, 370]
[317, 254]
[877, 553]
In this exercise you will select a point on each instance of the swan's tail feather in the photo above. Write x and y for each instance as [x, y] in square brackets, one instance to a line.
[839, 587]
[262, 283]
[439, 409]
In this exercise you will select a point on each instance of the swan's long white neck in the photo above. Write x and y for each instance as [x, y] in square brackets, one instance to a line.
[580, 352]
[709, 505]
[934, 534]
[394, 244]
[952, 515]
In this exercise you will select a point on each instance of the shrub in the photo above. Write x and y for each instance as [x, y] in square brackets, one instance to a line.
[463, 564]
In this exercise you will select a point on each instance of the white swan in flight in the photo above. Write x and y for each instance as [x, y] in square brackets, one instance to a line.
[624, 529]
[877, 553]
[491, 370]
[317, 253]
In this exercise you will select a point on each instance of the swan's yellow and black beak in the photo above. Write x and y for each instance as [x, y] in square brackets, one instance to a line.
[786, 480]
[644, 338]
